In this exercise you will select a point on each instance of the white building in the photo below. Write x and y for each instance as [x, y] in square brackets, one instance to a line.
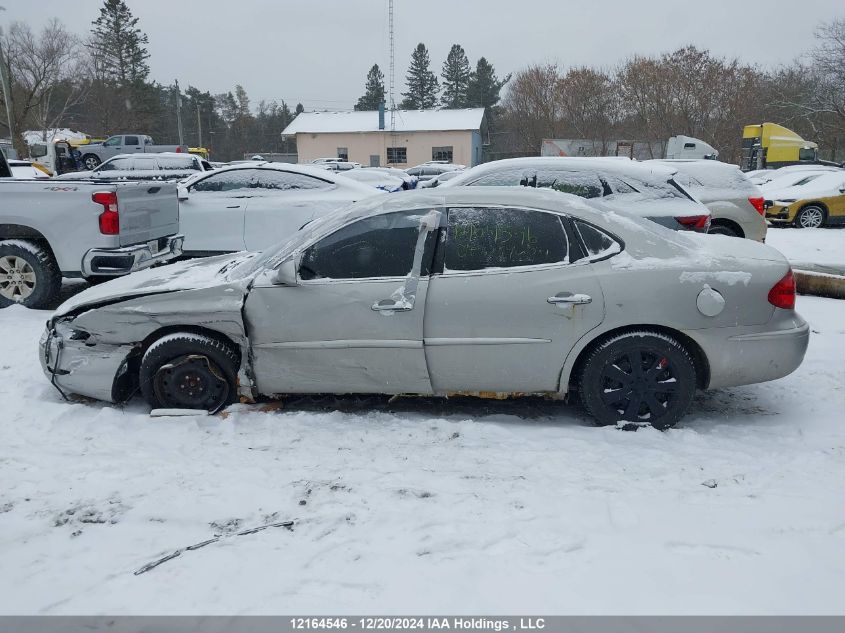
[365, 137]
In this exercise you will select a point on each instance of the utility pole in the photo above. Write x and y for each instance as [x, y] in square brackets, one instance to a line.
[392, 76]
[179, 113]
[7, 89]
[199, 127]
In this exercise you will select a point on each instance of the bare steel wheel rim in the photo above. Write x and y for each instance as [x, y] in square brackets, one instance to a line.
[17, 278]
[191, 382]
[811, 218]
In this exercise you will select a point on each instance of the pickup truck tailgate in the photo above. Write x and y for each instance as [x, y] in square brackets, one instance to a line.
[147, 211]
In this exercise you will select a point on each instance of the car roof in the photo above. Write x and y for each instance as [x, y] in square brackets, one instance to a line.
[306, 170]
[609, 164]
[154, 155]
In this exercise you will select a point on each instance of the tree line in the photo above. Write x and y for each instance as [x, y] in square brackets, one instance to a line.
[688, 91]
[100, 84]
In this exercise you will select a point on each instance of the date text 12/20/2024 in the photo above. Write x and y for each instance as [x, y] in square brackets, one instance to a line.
[457, 623]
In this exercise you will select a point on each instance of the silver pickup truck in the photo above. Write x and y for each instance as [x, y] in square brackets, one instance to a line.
[95, 153]
[52, 229]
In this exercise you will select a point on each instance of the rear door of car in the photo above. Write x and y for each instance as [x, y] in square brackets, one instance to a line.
[281, 202]
[505, 306]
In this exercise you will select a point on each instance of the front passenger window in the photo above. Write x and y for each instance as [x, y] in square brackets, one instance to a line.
[378, 246]
[225, 181]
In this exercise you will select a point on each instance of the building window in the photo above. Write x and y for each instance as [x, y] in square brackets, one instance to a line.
[442, 153]
[343, 153]
[397, 155]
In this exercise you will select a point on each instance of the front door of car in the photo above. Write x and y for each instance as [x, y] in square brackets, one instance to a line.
[353, 320]
[212, 215]
[112, 146]
[508, 305]
[281, 203]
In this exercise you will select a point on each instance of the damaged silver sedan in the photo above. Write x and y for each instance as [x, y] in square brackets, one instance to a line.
[478, 291]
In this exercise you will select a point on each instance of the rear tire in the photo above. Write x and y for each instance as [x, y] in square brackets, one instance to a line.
[29, 274]
[810, 217]
[189, 371]
[638, 377]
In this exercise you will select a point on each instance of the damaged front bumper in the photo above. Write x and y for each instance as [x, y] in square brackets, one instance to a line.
[76, 363]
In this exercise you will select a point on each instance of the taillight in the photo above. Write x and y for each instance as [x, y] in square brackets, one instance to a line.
[695, 222]
[109, 218]
[782, 294]
[759, 203]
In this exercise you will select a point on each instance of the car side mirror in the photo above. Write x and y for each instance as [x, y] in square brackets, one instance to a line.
[181, 192]
[286, 274]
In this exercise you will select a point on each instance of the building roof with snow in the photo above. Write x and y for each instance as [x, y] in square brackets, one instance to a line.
[368, 121]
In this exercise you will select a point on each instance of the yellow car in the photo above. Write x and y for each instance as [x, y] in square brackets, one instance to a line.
[810, 205]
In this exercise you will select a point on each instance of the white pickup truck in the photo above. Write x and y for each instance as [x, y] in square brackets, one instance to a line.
[52, 229]
[95, 153]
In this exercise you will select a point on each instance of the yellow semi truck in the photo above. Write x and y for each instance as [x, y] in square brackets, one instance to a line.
[769, 146]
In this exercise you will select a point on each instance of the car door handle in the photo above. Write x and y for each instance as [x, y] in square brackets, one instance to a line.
[570, 299]
[234, 206]
[388, 305]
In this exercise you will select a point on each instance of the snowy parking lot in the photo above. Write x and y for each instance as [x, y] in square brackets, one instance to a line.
[420, 505]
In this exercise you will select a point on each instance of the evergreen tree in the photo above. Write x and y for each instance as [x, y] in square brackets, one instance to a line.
[373, 91]
[456, 76]
[299, 108]
[422, 83]
[484, 86]
[118, 45]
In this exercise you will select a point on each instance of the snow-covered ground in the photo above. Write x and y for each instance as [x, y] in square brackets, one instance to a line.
[825, 246]
[421, 506]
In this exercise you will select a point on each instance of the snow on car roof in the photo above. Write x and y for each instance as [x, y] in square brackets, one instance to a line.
[610, 164]
[368, 121]
[307, 170]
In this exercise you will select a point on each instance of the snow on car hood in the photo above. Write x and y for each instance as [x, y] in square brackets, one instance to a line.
[188, 275]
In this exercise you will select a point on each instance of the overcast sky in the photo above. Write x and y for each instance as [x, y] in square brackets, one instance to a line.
[318, 51]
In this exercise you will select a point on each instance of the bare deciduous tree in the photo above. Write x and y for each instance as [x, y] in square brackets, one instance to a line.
[46, 73]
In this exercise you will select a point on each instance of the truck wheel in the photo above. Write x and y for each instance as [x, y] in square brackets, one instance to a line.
[90, 161]
[638, 377]
[29, 274]
[189, 371]
[810, 217]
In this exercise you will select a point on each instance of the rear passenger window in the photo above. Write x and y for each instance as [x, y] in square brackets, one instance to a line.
[178, 163]
[479, 238]
[597, 242]
[619, 186]
[579, 183]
